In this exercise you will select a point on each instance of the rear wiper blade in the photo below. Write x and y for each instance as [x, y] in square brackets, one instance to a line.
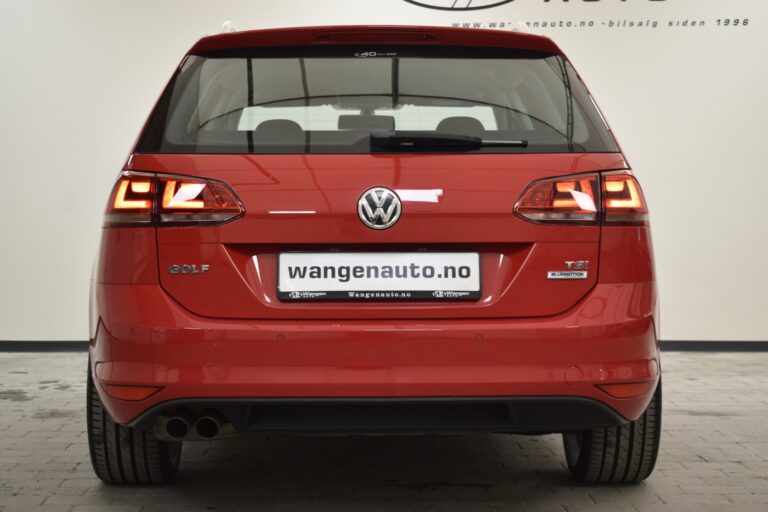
[402, 139]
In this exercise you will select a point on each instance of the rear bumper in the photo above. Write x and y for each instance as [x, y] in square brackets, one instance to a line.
[145, 338]
[398, 415]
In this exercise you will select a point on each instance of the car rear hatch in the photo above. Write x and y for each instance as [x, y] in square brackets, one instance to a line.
[456, 203]
[289, 130]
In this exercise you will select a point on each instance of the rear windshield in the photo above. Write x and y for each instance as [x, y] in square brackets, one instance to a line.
[329, 100]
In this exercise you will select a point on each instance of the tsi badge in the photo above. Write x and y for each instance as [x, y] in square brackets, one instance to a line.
[575, 270]
[188, 269]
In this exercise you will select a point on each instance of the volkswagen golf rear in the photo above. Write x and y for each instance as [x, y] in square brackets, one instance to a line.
[374, 230]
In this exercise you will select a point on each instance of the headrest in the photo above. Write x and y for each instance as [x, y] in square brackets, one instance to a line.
[358, 122]
[461, 125]
[279, 130]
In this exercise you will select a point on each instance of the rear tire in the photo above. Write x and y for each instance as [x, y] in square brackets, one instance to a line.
[123, 455]
[624, 454]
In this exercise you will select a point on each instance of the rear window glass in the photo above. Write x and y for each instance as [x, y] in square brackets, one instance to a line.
[405, 117]
[329, 100]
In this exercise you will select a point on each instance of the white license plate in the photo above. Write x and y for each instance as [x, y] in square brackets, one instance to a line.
[378, 275]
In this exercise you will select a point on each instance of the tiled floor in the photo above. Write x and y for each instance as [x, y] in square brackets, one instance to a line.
[714, 456]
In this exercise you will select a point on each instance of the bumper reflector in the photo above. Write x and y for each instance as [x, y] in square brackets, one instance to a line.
[626, 390]
[133, 393]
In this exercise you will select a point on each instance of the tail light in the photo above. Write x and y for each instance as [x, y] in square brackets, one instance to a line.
[141, 199]
[581, 200]
[132, 201]
[571, 200]
[623, 200]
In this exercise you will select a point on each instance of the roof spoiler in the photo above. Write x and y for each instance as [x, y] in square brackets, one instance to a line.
[515, 36]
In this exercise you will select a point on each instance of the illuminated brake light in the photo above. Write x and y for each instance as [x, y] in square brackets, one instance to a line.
[131, 202]
[182, 195]
[580, 200]
[188, 201]
[122, 201]
[623, 200]
[561, 200]
[141, 187]
[180, 200]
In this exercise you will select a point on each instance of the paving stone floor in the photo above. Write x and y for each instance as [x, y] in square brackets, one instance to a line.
[714, 456]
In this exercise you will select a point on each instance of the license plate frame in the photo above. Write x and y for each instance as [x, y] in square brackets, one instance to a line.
[329, 286]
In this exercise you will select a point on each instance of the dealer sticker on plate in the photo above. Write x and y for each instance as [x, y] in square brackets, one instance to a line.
[378, 276]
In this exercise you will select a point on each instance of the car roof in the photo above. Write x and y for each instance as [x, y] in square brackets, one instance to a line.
[375, 35]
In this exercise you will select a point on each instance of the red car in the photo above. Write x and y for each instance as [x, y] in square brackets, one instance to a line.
[375, 230]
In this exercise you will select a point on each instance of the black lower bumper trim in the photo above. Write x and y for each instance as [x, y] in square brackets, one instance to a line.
[396, 415]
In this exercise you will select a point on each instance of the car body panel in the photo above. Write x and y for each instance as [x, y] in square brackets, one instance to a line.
[373, 35]
[146, 338]
[224, 334]
[308, 202]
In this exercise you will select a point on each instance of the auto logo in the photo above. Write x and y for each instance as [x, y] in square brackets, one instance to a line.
[577, 269]
[189, 269]
[459, 5]
[379, 208]
[372, 53]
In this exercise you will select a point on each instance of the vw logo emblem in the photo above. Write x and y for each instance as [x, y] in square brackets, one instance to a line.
[379, 208]
[459, 5]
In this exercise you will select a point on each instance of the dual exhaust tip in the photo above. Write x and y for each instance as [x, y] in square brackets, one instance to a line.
[207, 426]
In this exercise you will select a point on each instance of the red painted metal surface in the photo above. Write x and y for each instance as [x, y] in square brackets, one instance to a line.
[224, 333]
[146, 338]
[308, 202]
[373, 34]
